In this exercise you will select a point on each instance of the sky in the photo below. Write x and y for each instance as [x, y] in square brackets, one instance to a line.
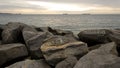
[60, 6]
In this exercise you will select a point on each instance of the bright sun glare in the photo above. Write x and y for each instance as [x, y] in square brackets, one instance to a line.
[60, 6]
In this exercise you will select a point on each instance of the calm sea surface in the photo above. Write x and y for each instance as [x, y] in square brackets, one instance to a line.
[74, 23]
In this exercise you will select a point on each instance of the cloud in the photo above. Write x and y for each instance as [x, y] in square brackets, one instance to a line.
[112, 3]
[60, 6]
[17, 4]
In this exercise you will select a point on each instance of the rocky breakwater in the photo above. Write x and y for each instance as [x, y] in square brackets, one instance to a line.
[26, 46]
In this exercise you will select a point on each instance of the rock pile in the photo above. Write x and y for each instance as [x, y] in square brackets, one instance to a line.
[25, 46]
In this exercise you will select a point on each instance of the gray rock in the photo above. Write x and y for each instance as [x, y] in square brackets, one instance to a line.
[1, 29]
[2, 26]
[58, 40]
[115, 36]
[95, 36]
[95, 47]
[0, 42]
[60, 32]
[43, 29]
[58, 48]
[67, 63]
[28, 32]
[103, 57]
[34, 40]
[30, 64]
[12, 33]
[35, 43]
[56, 31]
[10, 52]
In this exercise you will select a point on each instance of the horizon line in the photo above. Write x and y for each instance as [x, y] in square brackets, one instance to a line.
[56, 13]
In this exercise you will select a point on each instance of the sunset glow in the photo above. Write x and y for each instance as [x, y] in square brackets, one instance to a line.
[61, 6]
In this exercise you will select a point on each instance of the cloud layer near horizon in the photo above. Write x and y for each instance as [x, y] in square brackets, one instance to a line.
[60, 6]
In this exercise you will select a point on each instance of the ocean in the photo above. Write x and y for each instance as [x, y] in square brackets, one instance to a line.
[72, 22]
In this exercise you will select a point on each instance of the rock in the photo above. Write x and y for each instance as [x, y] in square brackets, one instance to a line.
[115, 36]
[0, 42]
[12, 33]
[2, 26]
[95, 47]
[29, 32]
[60, 39]
[42, 29]
[1, 29]
[55, 31]
[35, 43]
[103, 57]
[67, 63]
[30, 64]
[60, 32]
[95, 36]
[10, 52]
[34, 40]
[58, 48]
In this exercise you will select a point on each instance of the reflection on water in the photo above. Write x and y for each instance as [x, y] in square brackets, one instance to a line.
[66, 22]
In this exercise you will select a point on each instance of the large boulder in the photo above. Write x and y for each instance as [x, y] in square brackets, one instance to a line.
[30, 64]
[34, 40]
[12, 33]
[57, 48]
[95, 36]
[67, 63]
[103, 57]
[10, 52]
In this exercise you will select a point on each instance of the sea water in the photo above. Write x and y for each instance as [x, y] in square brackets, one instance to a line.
[73, 22]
